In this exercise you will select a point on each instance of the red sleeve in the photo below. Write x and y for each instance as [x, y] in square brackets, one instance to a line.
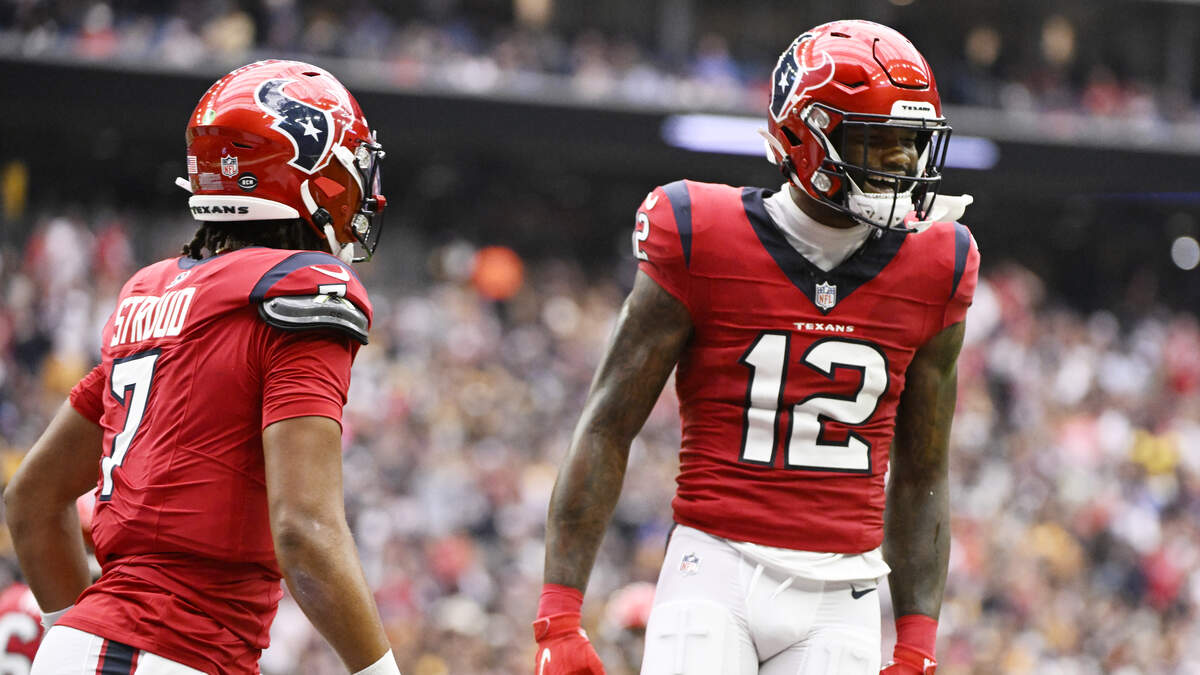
[87, 396]
[306, 373]
[966, 276]
[662, 239]
[310, 273]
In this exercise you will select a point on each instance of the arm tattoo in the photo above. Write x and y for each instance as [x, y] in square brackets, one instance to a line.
[652, 331]
[917, 519]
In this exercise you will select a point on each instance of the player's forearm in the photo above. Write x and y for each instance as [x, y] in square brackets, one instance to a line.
[587, 490]
[320, 565]
[917, 543]
[917, 520]
[49, 548]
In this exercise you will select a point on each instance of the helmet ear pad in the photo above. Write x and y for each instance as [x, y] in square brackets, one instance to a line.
[337, 193]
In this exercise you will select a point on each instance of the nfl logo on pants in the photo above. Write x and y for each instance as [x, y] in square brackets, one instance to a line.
[229, 166]
[826, 296]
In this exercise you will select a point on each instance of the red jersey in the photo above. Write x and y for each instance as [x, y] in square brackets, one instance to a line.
[789, 386]
[20, 629]
[190, 376]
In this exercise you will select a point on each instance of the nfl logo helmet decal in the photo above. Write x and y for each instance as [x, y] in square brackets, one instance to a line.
[826, 296]
[793, 77]
[229, 166]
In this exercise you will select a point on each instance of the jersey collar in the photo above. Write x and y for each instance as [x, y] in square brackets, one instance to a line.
[862, 266]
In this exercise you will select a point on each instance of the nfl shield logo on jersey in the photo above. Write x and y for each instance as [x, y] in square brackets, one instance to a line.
[229, 166]
[690, 564]
[826, 295]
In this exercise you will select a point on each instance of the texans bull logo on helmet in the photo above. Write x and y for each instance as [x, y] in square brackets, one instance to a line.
[793, 77]
[305, 125]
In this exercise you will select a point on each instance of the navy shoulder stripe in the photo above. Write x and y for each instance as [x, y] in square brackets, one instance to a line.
[962, 247]
[681, 205]
[291, 264]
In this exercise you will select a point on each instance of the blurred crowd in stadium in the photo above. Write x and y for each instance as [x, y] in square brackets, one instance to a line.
[1076, 453]
[991, 61]
[1076, 458]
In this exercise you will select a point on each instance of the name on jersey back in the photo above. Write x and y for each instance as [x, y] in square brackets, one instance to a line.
[148, 317]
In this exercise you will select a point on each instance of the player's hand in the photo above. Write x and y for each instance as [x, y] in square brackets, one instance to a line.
[909, 661]
[563, 647]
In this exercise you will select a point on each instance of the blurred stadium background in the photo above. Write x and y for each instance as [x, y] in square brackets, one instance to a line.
[521, 135]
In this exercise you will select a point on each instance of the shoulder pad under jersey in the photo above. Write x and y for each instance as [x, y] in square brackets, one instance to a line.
[307, 312]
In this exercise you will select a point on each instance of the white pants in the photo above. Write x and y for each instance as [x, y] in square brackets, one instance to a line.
[718, 613]
[67, 651]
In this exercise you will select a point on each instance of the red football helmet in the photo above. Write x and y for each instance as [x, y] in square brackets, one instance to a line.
[860, 74]
[283, 139]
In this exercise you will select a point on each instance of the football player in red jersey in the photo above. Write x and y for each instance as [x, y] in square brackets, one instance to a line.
[815, 332]
[21, 628]
[210, 431]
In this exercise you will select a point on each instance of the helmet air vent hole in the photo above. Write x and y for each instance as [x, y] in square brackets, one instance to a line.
[242, 146]
[791, 136]
[839, 35]
[312, 73]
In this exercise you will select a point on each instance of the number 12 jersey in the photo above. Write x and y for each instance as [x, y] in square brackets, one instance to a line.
[789, 386]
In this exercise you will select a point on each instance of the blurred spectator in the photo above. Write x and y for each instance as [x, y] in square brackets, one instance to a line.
[995, 64]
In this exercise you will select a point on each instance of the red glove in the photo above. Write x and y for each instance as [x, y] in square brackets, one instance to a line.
[563, 646]
[909, 661]
[916, 635]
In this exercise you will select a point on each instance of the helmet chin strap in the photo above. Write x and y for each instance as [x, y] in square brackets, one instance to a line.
[344, 252]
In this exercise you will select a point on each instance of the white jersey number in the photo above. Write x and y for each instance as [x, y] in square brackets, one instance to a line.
[806, 446]
[131, 379]
[641, 233]
[25, 629]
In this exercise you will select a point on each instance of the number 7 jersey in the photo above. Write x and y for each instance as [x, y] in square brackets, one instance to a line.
[192, 372]
[789, 386]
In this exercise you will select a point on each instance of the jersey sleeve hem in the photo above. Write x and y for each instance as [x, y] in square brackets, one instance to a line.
[664, 281]
[303, 409]
[86, 396]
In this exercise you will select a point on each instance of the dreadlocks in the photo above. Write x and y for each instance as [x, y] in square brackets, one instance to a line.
[289, 234]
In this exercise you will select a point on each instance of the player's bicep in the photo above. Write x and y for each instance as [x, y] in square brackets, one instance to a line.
[923, 419]
[63, 463]
[652, 330]
[302, 458]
